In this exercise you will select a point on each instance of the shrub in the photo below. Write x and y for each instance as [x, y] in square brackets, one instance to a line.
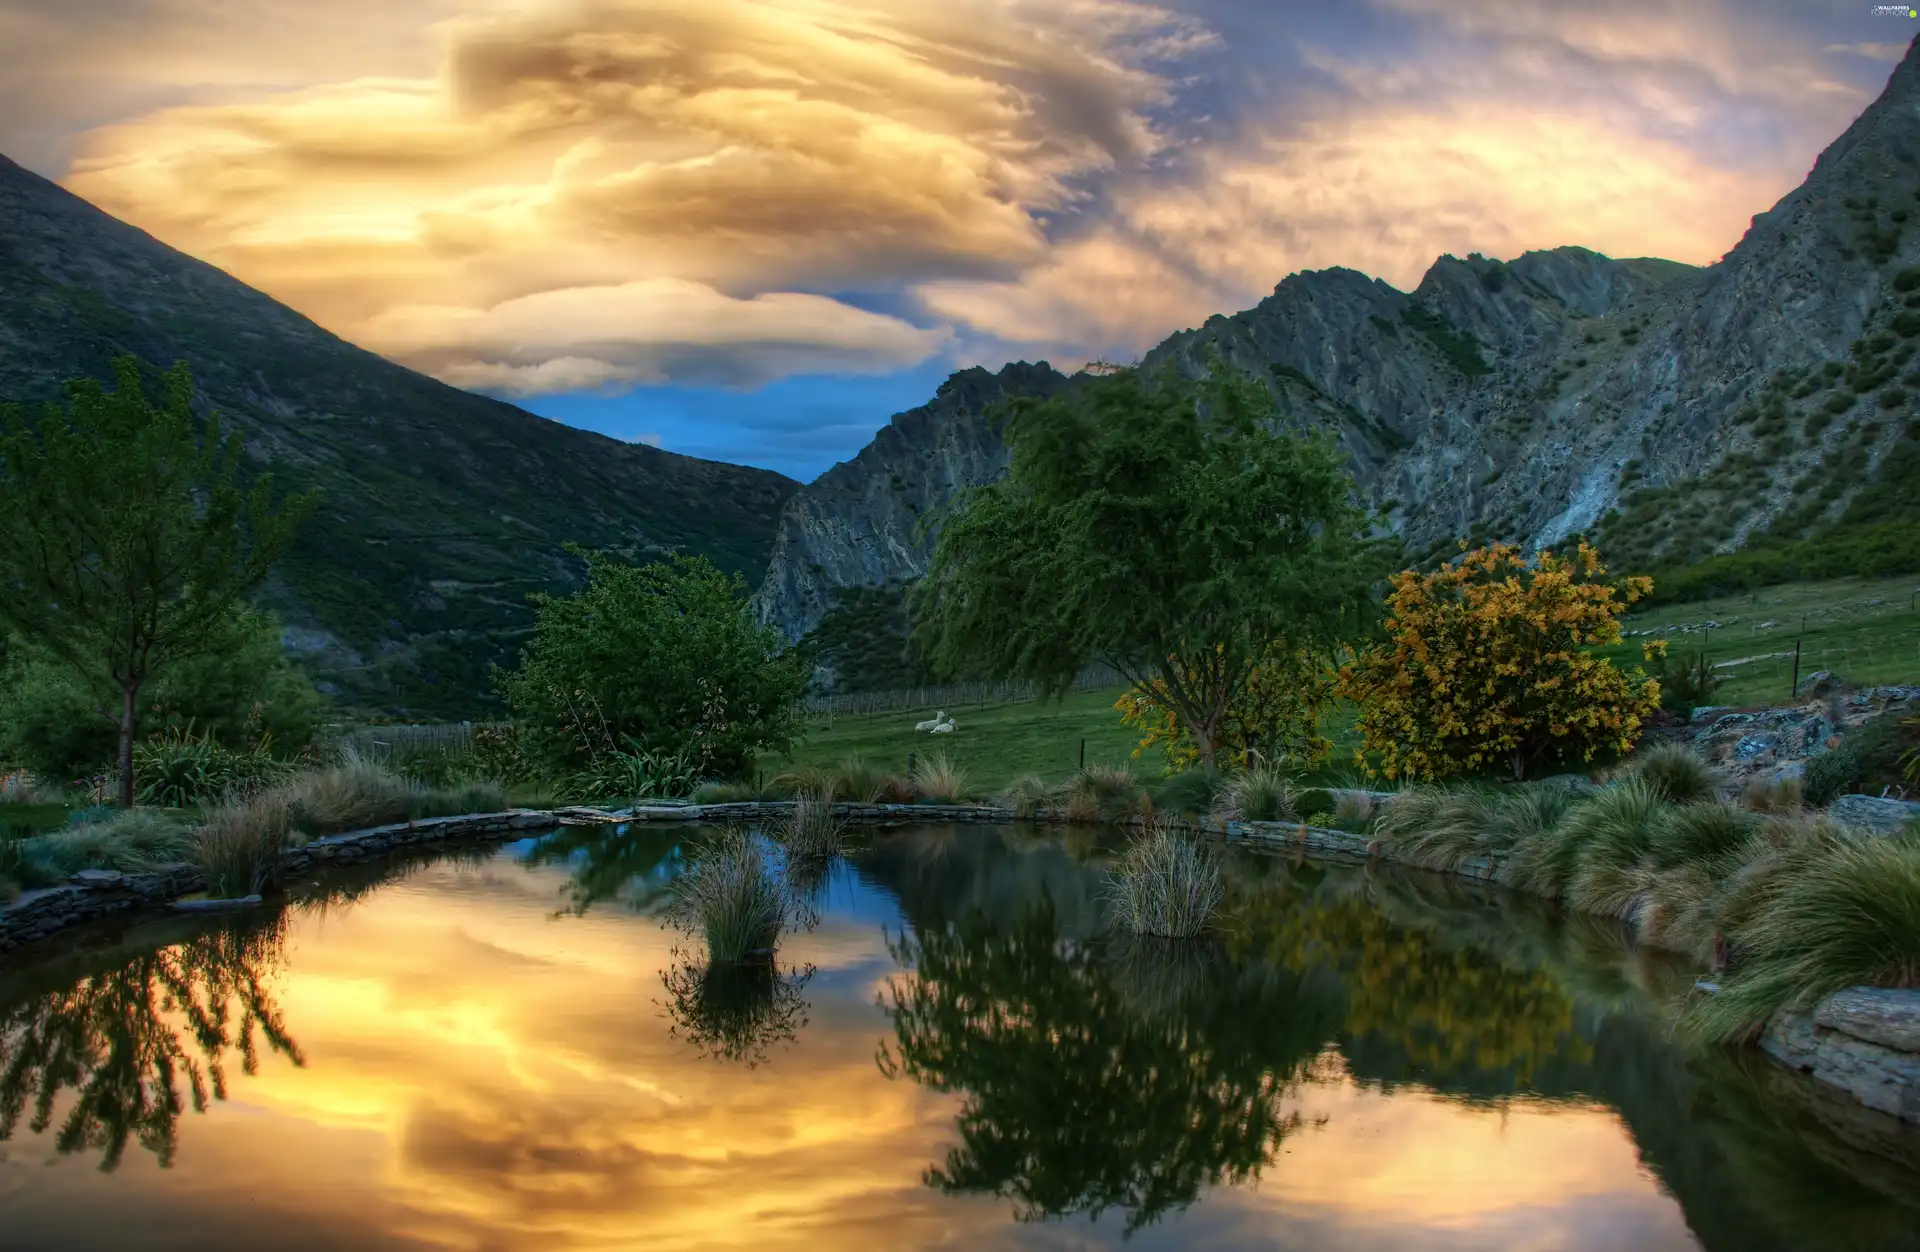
[1027, 795]
[1441, 827]
[350, 796]
[179, 770]
[1700, 833]
[1848, 915]
[1261, 794]
[1104, 793]
[129, 840]
[239, 845]
[1686, 683]
[725, 793]
[804, 780]
[936, 777]
[1677, 774]
[632, 775]
[860, 782]
[1275, 714]
[809, 830]
[730, 896]
[1167, 885]
[1489, 664]
[1189, 791]
[1828, 775]
[666, 657]
[1772, 795]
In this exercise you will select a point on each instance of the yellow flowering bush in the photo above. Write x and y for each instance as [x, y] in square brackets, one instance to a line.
[1488, 663]
[1276, 713]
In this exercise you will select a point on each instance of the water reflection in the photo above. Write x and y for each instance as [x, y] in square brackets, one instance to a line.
[115, 1046]
[632, 864]
[1110, 1074]
[736, 1011]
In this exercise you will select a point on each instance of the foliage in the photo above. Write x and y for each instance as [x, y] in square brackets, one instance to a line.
[809, 830]
[1677, 773]
[731, 897]
[1155, 525]
[121, 1040]
[242, 694]
[128, 840]
[936, 777]
[1027, 795]
[179, 769]
[1488, 665]
[1686, 683]
[1103, 793]
[1827, 775]
[238, 846]
[1848, 916]
[1275, 716]
[1038, 1036]
[1189, 791]
[736, 1012]
[1261, 794]
[1167, 885]
[664, 657]
[863, 640]
[128, 540]
[633, 775]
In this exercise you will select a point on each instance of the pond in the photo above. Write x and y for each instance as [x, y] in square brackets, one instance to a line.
[503, 1049]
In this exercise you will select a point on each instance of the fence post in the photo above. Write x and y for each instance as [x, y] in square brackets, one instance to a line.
[1083, 752]
[1795, 690]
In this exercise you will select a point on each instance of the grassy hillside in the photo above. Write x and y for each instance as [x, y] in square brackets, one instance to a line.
[443, 509]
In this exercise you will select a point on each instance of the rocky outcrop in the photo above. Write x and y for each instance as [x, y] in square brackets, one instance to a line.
[872, 521]
[1528, 399]
[1864, 1041]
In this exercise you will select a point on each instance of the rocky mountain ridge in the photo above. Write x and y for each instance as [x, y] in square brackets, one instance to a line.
[1671, 411]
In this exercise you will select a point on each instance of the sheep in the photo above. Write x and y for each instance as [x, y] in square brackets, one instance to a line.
[945, 728]
[937, 719]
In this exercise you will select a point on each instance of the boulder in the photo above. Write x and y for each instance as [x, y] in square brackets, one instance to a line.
[1882, 816]
[1819, 683]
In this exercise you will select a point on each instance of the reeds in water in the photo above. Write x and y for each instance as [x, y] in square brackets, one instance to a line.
[239, 845]
[1167, 884]
[732, 898]
[810, 830]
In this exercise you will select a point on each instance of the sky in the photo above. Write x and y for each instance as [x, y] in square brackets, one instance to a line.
[752, 230]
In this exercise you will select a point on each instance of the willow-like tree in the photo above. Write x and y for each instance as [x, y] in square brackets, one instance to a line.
[1168, 528]
[128, 538]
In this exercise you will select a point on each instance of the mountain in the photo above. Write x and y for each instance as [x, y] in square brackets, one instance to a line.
[1765, 403]
[443, 509]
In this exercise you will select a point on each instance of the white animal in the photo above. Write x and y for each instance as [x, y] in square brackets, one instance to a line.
[939, 717]
[944, 728]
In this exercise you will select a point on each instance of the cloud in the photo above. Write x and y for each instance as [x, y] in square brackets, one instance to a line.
[593, 156]
[585, 338]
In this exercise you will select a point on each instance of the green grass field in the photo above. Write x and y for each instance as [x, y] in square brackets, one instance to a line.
[1843, 631]
[1838, 626]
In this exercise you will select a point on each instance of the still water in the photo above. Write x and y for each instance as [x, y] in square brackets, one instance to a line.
[503, 1049]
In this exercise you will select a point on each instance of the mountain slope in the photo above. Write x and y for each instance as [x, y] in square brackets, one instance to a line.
[1672, 410]
[443, 509]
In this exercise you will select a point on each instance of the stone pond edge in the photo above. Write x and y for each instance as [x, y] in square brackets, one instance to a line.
[1865, 1041]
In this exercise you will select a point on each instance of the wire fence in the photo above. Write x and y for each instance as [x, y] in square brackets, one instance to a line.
[953, 695]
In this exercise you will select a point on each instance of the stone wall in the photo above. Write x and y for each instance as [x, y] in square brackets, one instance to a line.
[1865, 1041]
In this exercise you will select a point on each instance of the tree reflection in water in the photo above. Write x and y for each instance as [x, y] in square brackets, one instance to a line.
[735, 1012]
[1098, 1075]
[123, 1040]
[633, 863]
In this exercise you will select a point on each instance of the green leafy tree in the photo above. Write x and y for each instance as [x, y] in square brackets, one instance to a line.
[663, 657]
[245, 694]
[128, 539]
[1164, 527]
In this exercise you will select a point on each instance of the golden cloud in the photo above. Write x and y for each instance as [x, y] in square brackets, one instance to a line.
[729, 160]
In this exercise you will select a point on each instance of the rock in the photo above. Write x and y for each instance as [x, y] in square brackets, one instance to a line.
[1819, 683]
[216, 906]
[1791, 771]
[1882, 816]
[1752, 747]
[1882, 1015]
[97, 878]
[1703, 715]
[1856, 1040]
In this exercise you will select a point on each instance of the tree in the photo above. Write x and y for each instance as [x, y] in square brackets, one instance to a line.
[1275, 717]
[247, 692]
[1488, 663]
[128, 540]
[665, 657]
[1156, 525]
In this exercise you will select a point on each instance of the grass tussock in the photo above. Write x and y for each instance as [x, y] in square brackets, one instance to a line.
[131, 841]
[1677, 774]
[1191, 791]
[1440, 827]
[731, 897]
[805, 780]
[239, 845]
[1847, 917]
[727, 793]
[1028, 796]
[1260, 794]
[1105, 793]
[1167, 885]
[937, 778]
[1773, 795]
[810, 830]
